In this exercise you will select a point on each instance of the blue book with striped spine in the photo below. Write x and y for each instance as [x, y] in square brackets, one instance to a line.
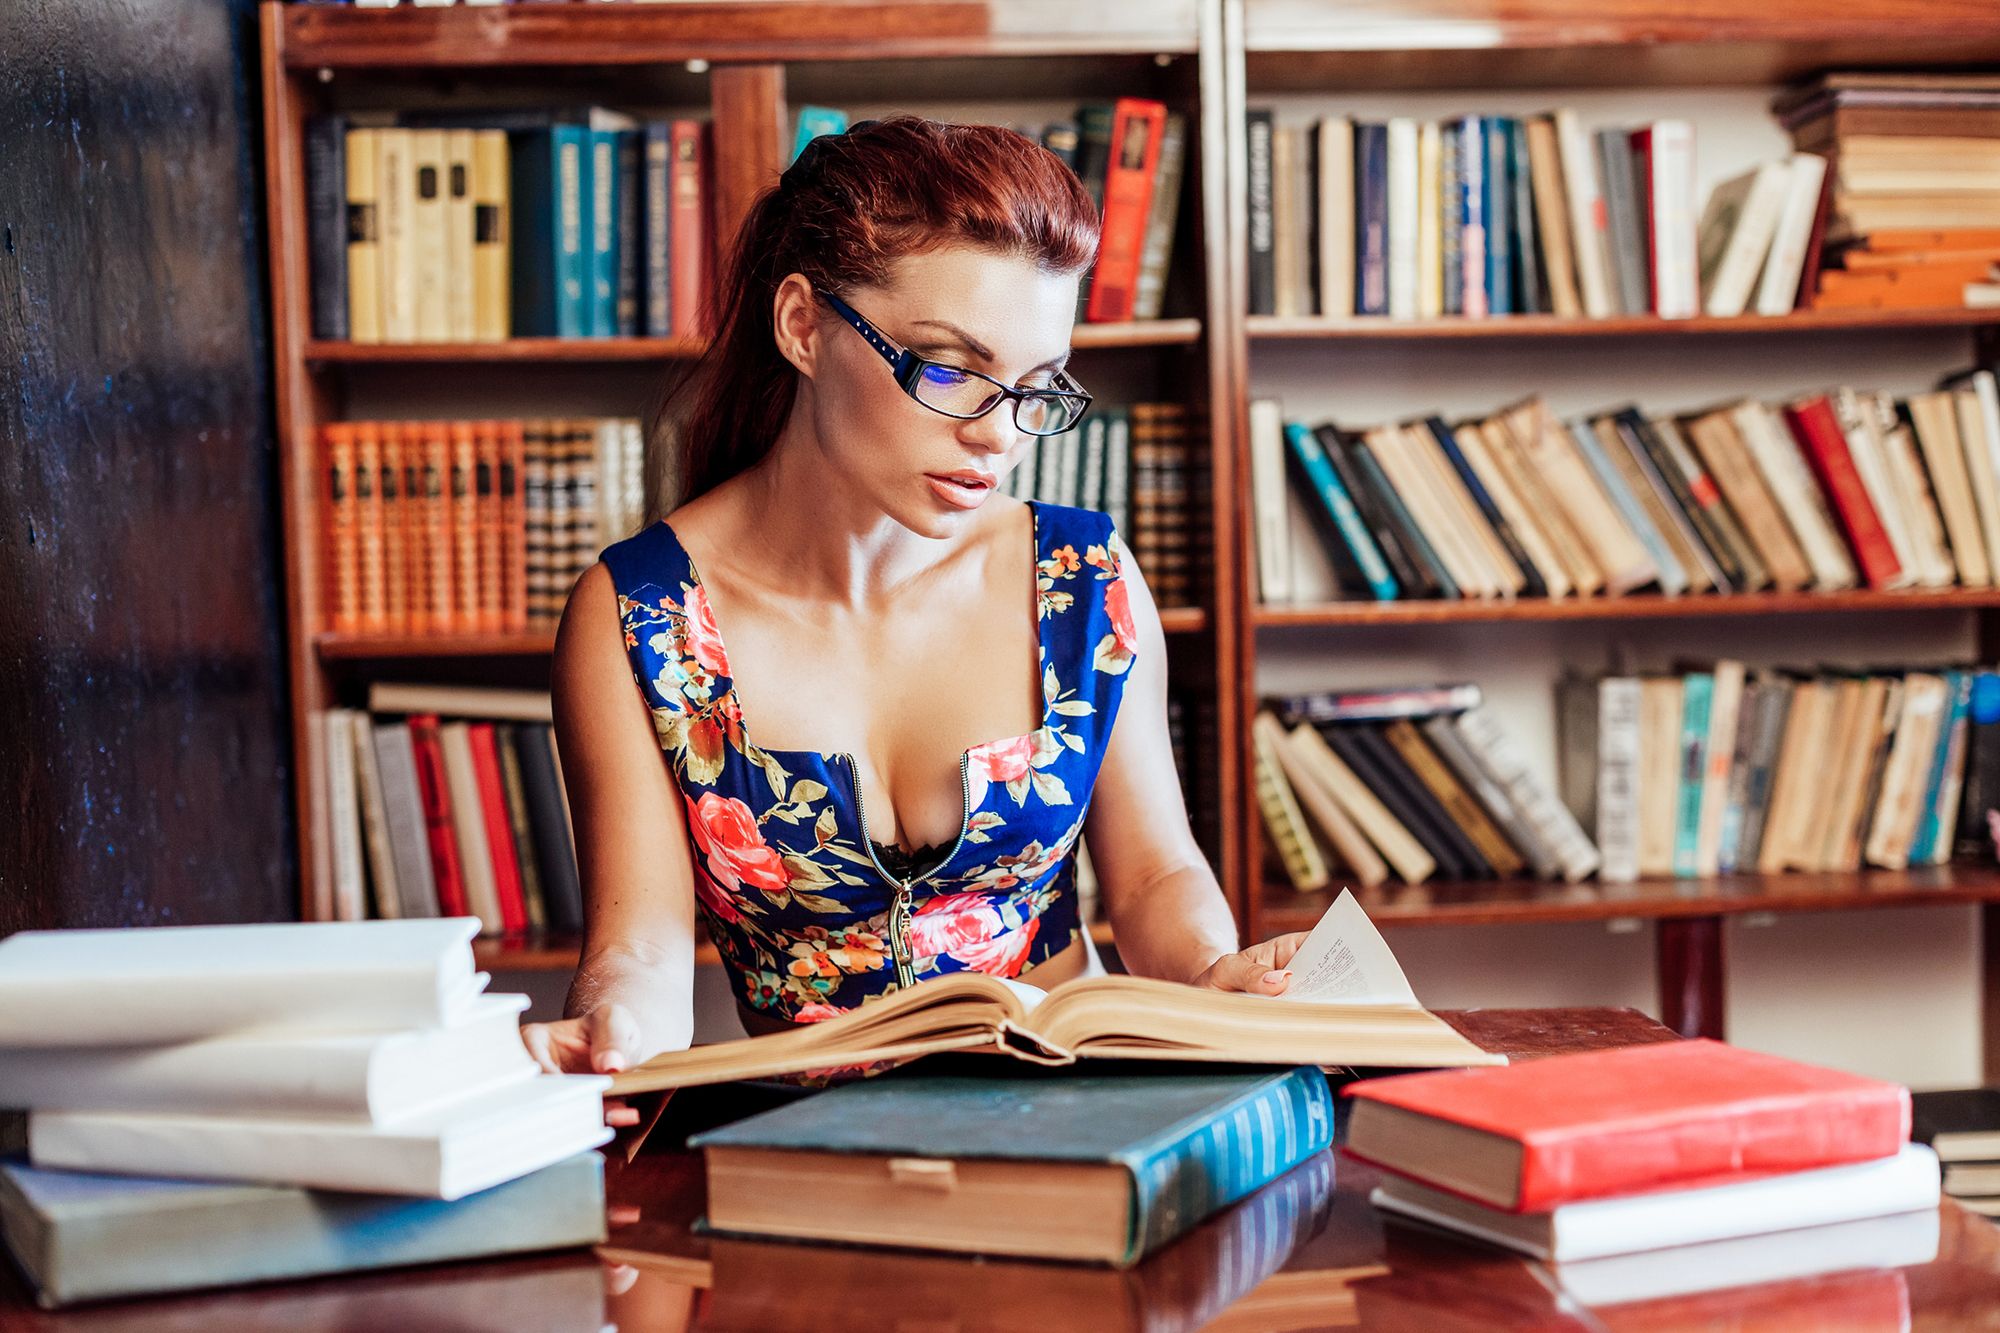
[1339, 505]
[1119, 1163]
[1924, 849]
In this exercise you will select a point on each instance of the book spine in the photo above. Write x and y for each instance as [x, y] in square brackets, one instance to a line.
[1981, 788]
[1419, 544]
[1339, 505]
[1696, 691]
[1759, 789]
[626, 237]
[688, 229]
[1263, 272]
[1553, 824]
[361, 274]
[1410, 577]
[326, 223]
[1933, 842]
[1451, 237]
[1818, 433]
[1533, 584]
[1371, 183]
[1128, 195]
[1618, 777]
[1695, 496]
[341, 543]
[1499, 236]
[1377, 705]
[658, 185]
[1472, 218]
[1179, 1182]
[1157, 254]
[1452, 748]
[435, 791]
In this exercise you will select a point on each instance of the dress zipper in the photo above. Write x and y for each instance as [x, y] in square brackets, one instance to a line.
[900, 948]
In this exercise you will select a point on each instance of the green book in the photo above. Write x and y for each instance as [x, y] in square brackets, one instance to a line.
[1102, 1167]
[1697, 689]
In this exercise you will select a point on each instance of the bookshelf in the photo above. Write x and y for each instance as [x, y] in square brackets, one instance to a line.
[1618, 61]
[741, 66]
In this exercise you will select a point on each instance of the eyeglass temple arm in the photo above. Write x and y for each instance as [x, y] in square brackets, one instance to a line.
[897, 357]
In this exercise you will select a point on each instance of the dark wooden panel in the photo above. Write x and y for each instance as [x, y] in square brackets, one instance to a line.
[142, 718]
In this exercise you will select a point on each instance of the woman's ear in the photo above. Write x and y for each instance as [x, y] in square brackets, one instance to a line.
[795, 323]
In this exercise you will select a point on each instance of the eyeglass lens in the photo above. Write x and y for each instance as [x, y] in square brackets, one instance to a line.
[961, 394]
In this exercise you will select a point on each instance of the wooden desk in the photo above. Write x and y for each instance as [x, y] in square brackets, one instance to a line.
[1306, 1252]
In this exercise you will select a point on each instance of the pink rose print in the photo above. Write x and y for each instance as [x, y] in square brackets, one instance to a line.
[1118, 605]
[726, 832]
[816, 1013]
[714, 897]
[704, 641]
[1002, 955]
[998, 761]
[949, 924]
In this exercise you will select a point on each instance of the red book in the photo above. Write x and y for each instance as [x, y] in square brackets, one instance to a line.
[1673, 1115]
[436, 796]
[687, 227]
[1819, 435]
[499, 829]
[1136, 127]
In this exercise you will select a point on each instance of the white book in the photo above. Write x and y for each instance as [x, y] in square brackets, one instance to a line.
[176, 983]
[1625, 1225]
[1856, 418]
[1430, 222]
[1670, 194]
[1269, 501]
[1776, 452]
[468, 824]
[443, 1152]
[1586, 213]
[1618, 777]
[1735, 236]
[459, 234]
[1402, 142]
[499, 705]
[350, 891]
[371, 1076]
[1906, 474]
[430, 262]
[1336, 216]
[1778, 288]
[1575, 854]
[1979, 433]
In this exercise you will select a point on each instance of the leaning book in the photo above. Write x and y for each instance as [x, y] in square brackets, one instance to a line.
[1348, 1005]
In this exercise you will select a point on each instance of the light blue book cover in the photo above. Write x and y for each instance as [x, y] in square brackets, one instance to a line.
[813, 122]
[1958, 691]
[1330, 493]
[1697, 690]
[1673, 578]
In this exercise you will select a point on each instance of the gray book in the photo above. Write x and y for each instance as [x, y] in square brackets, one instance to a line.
[1673, 578]
[1775, 705]
[403, 812]
[1520, 831]
[1625, 216]
[79, 1236]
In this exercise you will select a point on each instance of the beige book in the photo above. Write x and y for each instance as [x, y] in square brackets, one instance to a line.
[1336, 216]
[1484, 541]
[1936, 417]
[492, 237]
[1672, 525]
[468, 825]
[1412, 863]
[1545, 443]
[1430, 222]
[1771, 443]
[1819, 829]
[1552, 216]
[1404, 193]
[374, 815]
[1459, 805]
[430, 262]
[1114, 1017]
[461, 293]
[1391, 450]
[1463, 532]
[1571, 548]
[1881, 712]
[395, 177]
[1723, 452]
[1586, 213]
[1287, 244]
[1979, 466]
[1541, 552]
[1906, 473]
[1659, 772]
[1793, 773]
[1342, 833]
[477, 701]
[364, 246]
[1283, 819]
[1893, 827]
[1719, 753]
[1855, 416]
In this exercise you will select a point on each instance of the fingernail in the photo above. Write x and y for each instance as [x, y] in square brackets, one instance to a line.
[610, 1062]
[1275, 978]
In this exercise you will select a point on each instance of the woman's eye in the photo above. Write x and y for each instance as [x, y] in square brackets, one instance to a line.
[945, 375]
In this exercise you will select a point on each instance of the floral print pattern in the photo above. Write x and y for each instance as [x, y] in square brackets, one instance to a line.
[783, 876]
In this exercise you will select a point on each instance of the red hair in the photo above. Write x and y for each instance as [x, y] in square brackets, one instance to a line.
[841, 215]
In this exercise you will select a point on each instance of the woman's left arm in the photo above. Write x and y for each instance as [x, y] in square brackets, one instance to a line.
[1166, 909]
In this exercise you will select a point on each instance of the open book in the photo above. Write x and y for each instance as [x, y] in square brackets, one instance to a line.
[1348, 1004]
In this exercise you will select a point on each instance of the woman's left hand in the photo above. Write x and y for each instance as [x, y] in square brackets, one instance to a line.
[1259, 970]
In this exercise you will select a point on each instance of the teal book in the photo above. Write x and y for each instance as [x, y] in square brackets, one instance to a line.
[1330, 495]
[813, 122]
[1098, 1167]
[550, 195]
[1697, 688]
[79, 1236]
[602, 290]
[1924, 848]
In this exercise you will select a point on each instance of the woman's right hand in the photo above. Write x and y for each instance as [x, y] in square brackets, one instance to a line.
[599, 1042]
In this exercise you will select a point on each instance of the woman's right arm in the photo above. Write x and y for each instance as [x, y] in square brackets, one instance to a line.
[633, 995]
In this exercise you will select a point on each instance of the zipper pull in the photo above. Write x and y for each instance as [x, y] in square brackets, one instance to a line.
[899, 945]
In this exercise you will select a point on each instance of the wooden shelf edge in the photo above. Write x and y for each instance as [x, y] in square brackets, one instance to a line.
[554, 953]
[1285, 327]
[1507, 902]
[1638, 606]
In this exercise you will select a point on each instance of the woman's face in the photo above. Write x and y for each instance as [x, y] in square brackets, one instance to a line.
[1002, 316]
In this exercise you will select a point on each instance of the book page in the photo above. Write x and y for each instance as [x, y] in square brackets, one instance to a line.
[1028, 995]
[1345, 960]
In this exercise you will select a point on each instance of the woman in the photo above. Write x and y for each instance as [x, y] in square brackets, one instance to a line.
[828, 633]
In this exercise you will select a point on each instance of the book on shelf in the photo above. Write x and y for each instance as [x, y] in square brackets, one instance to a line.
[1348, 1004]
[1121, 1163]
[1962, 1125]
[1821, 492]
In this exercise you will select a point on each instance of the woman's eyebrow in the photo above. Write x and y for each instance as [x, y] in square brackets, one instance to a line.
[980, 349]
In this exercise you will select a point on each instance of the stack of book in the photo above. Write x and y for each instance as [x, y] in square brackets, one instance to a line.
[1913, 186]
[372, 1104]
[1415, 781]
[1691, 1162]
[479, 226]
[449, 800]
[463, 527]
[1825, 492]
[1962, 1126]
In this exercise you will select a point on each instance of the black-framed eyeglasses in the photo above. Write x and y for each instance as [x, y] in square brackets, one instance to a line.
[955, 391]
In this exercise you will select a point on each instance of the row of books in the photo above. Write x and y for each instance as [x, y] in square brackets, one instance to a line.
[1826, 491]
[220, 1104]
[1136, 463]
[1721, 769]
[1962, 1126]
[450, 801]
[478, 226]
[456, 527]
[1484, 215]
[1413, 782]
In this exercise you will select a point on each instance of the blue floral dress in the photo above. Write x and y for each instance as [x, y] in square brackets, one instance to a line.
[808, 919]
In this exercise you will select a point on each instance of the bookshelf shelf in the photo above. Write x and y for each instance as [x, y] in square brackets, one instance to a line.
[1635, 607]
[1520, 902]
[1281, 327]
[559, 953]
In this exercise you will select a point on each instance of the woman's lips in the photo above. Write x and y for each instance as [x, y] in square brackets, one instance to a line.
[959, 492]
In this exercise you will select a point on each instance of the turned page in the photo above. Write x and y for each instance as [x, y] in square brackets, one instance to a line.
[1345, 960]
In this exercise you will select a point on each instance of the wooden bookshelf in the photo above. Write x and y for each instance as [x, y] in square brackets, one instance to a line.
[1638, 606]
[740, 64]
[1273, 327]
